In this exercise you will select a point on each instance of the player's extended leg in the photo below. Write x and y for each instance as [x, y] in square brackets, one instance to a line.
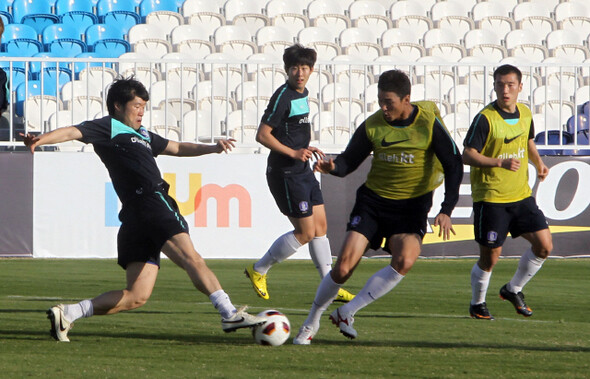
[480, 281]
[355, 246]
[530, 263]
[141, 278]
[181, 251]
[405, 250]
[320, 252]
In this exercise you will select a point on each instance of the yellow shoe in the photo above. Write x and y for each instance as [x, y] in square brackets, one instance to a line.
[258, 282]
[343, 296]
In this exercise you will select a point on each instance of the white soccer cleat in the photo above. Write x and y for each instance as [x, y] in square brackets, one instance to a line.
[59, 325]
[344, 323]
[305, 335]
[241, 319]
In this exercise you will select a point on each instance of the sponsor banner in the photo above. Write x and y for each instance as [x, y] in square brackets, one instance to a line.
[224, 198]
[561, 196]
[16, 206]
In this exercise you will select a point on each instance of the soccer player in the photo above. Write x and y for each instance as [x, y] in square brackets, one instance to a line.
[411, 151]
[285, 129]
[150, 218]
[498, 146]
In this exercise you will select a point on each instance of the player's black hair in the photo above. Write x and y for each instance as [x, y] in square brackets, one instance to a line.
[298, 55]
[123, 90]
[508, 69]
[395, 81]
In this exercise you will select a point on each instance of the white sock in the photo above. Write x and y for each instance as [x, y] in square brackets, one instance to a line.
[480, 280]
[378, 285]
[321, 254]
[72, 312]
[284, 246]
[327, 291]
[222, 303]
[528, 266]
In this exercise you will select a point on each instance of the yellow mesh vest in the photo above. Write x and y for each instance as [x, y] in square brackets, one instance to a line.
[404, 164]
[496, 184]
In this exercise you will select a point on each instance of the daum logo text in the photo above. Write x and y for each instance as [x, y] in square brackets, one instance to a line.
[197, 202]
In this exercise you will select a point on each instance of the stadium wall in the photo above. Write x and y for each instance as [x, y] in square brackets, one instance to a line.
[62, 205]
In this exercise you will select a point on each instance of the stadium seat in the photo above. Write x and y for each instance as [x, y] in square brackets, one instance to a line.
[534, 16]
[340, 90]
[332, 128]
[254, 93]
[246, 13]
[166, 90]
[288, 14]
[37, 14]
[478, 72]
[99, 75]
[192, 40]
[32, 99]
[111, 12]
[467, 98]
[444, 43]
[390, 62]
[575, 123]
[453, 15]
[403, 42]
[361, 43]
[178, 67]
[162, 123]
[165, 21]
[63, 40]
[81, 65]
[89, 106]
[458, 124]
[15, 76]
[198, 126]
[485, 43]
[5, 13]
[328, 14]
[370, 14]
[582, 96]
[22, 47]
[190, 7]
[554, 137]
[76, 88]
[411, 14]
[271, 73]
[317, 80]
[76, 13]
[321, 40]
[547, 121]
[204, 13]
[370, 98]
[63, 118]
[24, 36]
[562, 73]
[573, 15]
[430, 71]
[148, 6]
[568, 44]
[274, 40]
[219, 61]
[243, 125]
[493, 15]
[346, 69]
[149, 40]
[235, 40]
[106, 40]
[526, 43]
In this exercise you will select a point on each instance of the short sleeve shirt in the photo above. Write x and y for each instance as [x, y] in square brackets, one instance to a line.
[288, 115]
[128, 154]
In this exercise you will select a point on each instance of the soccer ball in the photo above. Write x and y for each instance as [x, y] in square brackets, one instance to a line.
[275, 331]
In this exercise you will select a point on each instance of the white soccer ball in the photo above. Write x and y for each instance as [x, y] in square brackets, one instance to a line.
[275, 331]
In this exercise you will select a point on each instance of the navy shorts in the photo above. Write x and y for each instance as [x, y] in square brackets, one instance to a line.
[493, 221]
[148, 221]
[378, 218]
[295, 194]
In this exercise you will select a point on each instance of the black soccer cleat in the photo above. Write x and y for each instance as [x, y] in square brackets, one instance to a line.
[517, 299]
[480, 312]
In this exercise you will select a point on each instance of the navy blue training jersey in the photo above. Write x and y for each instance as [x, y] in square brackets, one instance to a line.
[288, 115]
[127, 154]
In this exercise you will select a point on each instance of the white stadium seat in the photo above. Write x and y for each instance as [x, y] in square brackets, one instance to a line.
[444, 43]
[493, 15]
[411, 14]
[485, 43]
[452, 14]
[246, 13]
[361, 43]
[402, 42]
[526, 43]
[370, 14]
[322, 40]
[235, 40]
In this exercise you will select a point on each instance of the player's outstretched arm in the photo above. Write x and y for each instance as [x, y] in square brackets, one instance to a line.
[189, 149]
[56, 136]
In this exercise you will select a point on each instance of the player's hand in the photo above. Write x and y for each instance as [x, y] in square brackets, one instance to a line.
[225, 145]
[302, 155]
[511, 164]
[30, 141]
[542, 172]
[317, 153]
[324, 166]
[446, 226]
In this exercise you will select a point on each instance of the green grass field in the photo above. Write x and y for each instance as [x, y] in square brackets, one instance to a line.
[419, 330]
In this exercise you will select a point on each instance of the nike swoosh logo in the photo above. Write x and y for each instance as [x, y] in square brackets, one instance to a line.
[236, 321]
[508, 140]
[385, 143]
[61, 325]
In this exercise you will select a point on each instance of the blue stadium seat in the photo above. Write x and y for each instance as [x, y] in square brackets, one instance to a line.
[106, 41]
[5, 11]
[148, 6]
[35, 67]
[14, 31]
[34, 88]
[18, 74]
[37, 14]
[22, 47]
[77, 13]
[554, 137]
[63, 40]
[106, 8]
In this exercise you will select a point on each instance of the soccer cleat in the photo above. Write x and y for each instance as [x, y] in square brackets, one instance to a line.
[59, 325]
[305, 335]
[517, 299]
[343, 296]
[345, 324]
[241, 319]
[480, 312]
[258, 282]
